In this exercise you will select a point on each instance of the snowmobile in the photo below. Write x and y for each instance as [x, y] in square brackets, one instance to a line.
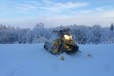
[63, 43]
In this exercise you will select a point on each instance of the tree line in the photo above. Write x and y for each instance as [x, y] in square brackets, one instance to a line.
[81, 34]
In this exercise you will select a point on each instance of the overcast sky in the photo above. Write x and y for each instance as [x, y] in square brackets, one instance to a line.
[27, 13]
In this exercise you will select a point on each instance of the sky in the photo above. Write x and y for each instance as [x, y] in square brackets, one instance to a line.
[27, 13]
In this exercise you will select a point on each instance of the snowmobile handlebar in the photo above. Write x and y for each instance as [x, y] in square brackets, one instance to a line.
[61, 31]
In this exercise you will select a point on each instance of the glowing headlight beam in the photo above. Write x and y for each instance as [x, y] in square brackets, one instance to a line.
[67, 37]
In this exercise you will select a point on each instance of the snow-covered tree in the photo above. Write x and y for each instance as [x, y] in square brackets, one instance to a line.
[111, 34]
[81, 34]
[112, 27]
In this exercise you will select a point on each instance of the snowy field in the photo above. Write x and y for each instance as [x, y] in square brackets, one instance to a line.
[33, 60]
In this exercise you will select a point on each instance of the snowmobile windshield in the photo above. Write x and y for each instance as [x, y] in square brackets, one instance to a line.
[64, 33]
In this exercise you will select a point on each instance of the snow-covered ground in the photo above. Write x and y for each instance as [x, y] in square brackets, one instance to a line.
[33, 60]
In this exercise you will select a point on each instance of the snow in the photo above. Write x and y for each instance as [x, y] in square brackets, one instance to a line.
[33, 60]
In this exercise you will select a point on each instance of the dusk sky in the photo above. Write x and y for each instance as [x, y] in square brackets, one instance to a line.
[27, 13]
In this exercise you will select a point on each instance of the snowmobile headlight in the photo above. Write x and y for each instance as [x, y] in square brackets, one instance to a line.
[67, 37]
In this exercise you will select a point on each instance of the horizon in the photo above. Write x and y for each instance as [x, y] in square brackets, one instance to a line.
[42, 25]
[28, 13]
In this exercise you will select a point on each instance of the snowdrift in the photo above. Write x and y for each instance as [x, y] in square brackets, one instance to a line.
[33, 60]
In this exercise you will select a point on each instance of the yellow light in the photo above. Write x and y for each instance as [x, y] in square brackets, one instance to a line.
[71, 37]
[67, 37]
